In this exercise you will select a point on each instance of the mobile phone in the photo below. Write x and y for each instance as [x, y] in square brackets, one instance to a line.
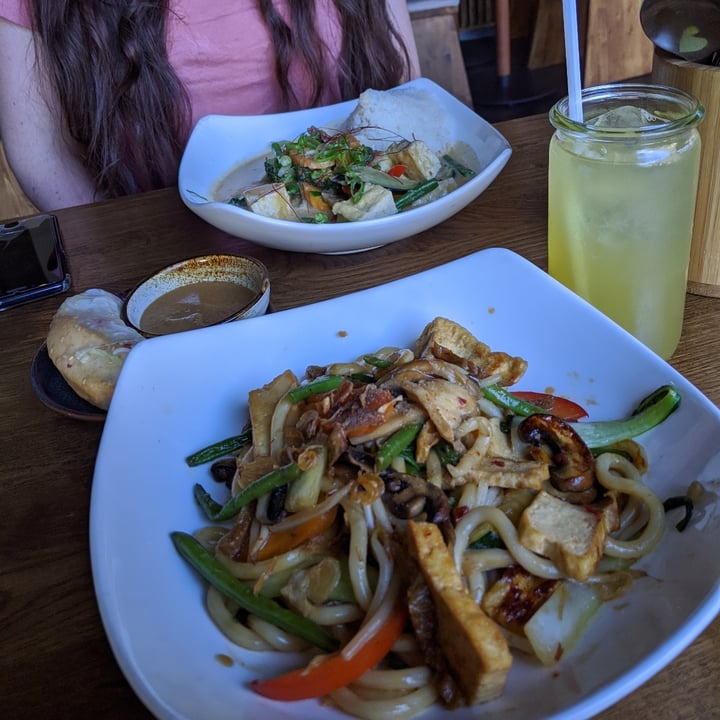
[32, 260]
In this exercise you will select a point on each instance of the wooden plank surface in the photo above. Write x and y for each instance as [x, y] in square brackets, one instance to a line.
[56, 661]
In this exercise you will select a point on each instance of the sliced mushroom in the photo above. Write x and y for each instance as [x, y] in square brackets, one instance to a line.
[360, 458]
[411, 497]
[271, 507]
[572, 466]
[235, 543]
[223, 470]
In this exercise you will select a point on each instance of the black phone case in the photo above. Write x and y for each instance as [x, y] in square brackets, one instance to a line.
[32, 260]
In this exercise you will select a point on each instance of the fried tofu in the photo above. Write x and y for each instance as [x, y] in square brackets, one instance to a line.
[515, 597]
[448, 340]
[491, 461]
[572, 536]
[501, 472]
[473, 644]
[446, 403]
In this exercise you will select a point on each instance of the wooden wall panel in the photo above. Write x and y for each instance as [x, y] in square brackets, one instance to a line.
[616, 48]
[438, 45]
[613, 46]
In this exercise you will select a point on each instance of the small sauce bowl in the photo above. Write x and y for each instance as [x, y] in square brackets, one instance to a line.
[198, 292]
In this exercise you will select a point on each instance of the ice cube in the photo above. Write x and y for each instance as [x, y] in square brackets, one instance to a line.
[625, 116]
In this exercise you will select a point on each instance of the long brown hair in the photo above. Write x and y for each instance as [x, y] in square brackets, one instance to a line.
[126, 110]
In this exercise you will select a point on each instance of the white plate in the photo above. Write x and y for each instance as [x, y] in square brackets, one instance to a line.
[179, 393]
[219, 143]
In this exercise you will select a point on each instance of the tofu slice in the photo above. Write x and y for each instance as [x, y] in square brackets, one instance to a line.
[422, 163]
[446, 339]
[501, 472]
[473, 644]
[572, 536]
[490, 461]
[376, 201]
[446, 403]
[271, 200]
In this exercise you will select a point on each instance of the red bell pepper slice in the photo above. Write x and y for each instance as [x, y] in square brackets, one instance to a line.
[335, 671]
[397, 170]
[559, 406]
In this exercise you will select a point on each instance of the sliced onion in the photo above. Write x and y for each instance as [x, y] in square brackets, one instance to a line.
[556, 626]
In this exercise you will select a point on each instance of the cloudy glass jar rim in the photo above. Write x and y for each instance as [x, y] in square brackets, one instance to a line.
[688, 111]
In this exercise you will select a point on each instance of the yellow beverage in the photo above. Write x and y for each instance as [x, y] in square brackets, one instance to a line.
[620, 215]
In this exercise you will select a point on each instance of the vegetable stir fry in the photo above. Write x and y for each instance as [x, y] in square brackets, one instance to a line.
[323, 177]
[411, 519]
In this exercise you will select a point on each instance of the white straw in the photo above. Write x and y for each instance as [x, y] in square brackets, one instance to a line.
[572, 59]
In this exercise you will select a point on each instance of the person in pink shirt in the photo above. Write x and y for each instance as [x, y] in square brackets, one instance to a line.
[97, 99]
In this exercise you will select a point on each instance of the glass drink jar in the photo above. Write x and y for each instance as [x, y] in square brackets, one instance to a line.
[622, 185]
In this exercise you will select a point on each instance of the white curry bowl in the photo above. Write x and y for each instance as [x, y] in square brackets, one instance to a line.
[221, 143]
[241, 270]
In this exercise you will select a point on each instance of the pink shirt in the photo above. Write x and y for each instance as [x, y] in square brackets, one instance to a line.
[221, 51]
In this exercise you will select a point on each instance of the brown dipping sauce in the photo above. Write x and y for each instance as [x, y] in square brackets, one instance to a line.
[193, 306]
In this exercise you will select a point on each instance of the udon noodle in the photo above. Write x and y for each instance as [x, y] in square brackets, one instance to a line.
[415, 489]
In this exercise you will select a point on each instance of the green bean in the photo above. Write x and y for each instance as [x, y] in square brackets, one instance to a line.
[377, 362]
[363, 378]
[458, 167]
[265, 608]
[302, 392]
[219, 449]
[266, 483]
[378, 177]
[395, 444]
[508, 401]
[416, 193]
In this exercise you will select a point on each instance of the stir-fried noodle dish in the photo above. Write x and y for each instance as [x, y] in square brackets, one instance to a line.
[412, 523]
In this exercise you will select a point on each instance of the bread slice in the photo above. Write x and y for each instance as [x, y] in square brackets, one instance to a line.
[88, 343]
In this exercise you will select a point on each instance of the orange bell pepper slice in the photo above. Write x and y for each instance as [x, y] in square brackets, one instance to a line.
[286, 540]
[314, 198]
[335, 671]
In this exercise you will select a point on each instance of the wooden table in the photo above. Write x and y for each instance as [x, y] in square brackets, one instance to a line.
[55, 661]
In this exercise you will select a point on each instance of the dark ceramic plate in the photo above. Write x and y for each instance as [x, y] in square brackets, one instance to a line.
[51, 388]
